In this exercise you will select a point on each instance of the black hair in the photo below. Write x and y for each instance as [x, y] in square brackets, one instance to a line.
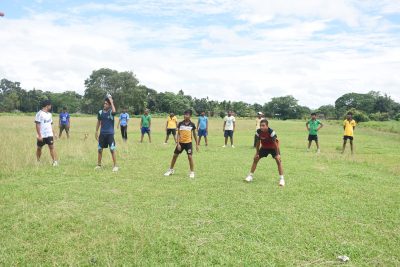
[350, 113]
[45, 103]
[315, 114]
[264, 121]
[107, 100]
[64, 108]
[188, 111]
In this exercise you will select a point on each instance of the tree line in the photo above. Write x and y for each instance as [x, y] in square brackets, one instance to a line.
[128, 93]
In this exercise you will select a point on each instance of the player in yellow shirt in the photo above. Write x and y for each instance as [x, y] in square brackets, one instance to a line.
[171, 126]
[348, 125]
[186, 129]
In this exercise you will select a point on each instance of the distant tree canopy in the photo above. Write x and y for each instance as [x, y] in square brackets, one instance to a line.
[128, 93]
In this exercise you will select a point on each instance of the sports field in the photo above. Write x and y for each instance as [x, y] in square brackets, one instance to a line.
[332, 204]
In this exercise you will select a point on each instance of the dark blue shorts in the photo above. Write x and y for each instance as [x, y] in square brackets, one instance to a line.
[145, 130]
[203, 132]
[228, 133]
[106, 140]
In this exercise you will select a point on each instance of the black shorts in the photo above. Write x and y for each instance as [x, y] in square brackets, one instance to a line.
[184, 146]
[64, 127]
[228, 133]
[171, 131]
[264, 152]
[312, 137]
[106, 140]
[45, 141]
[348, 137]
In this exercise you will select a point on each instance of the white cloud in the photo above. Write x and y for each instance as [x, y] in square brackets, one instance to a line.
[293, 54]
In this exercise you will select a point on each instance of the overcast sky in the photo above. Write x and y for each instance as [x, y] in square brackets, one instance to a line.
[250, 50]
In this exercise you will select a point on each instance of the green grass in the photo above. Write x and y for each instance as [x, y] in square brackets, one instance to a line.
[332, 204]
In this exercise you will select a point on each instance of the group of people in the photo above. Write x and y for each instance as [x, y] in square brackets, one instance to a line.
[184, 133]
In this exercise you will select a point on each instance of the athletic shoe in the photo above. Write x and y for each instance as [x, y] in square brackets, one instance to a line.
[115, 169]
[165, 143]
[249, 178]
[233, 146]
[55, 163]
[191, 175]
[169, 172]
[281, 182]
[98, 167]
[224, 146]
[318, 151]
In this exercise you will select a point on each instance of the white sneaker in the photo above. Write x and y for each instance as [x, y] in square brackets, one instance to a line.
[191, 175]
[169, 172]
[249, 178]
[281, 182]
[55, 163]
[233, 146]
[115, 169]
[98, 167]
[318, 151]
[224, 146]
[165, 143]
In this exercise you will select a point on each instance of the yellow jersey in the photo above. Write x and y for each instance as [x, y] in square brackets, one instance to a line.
[172, 122]
[185, 131]
[349, 127]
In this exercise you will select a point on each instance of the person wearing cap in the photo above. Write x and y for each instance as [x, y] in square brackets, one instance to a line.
[105, 121]
[260, 116]
[186, 129]
[145, 125]
[64, 122]
[171, 126]
[45, 132]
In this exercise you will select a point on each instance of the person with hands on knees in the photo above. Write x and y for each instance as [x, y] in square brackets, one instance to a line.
[267, 144]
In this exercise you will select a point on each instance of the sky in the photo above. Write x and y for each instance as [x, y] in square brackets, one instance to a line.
[239, 50]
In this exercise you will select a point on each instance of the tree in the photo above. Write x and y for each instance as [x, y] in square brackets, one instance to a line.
[123, 86]
[362, 102]
[284, 108]
[328, 111]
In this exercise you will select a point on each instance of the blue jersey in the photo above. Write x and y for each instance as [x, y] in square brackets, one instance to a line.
[64, 118]
[123, 118]
[106, 119]
[203, 122]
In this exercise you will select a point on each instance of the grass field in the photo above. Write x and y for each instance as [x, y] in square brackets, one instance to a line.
[332, 204]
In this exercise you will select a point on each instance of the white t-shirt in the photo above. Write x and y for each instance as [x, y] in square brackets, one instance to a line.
[229, 123]
[45, 120]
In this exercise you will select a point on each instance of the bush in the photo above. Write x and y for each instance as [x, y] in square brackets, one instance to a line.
[358, 115]
[397, 117]
[384, 116]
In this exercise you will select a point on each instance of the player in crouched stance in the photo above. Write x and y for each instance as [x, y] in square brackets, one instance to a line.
[267, 143]
[186, 129]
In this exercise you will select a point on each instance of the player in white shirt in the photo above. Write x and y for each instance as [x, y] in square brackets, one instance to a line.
[44, 130]
[229, 128]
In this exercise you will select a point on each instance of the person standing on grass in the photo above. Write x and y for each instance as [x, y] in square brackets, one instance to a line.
[202, 127]
[348, 125]
[229, 128]
[105, 121]
[64, 122]
[260, 116]
[123, 123]
[171, 126]
[267, 144]
[186, 129]
[313, 126]
[45, 132]
[145, 125]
